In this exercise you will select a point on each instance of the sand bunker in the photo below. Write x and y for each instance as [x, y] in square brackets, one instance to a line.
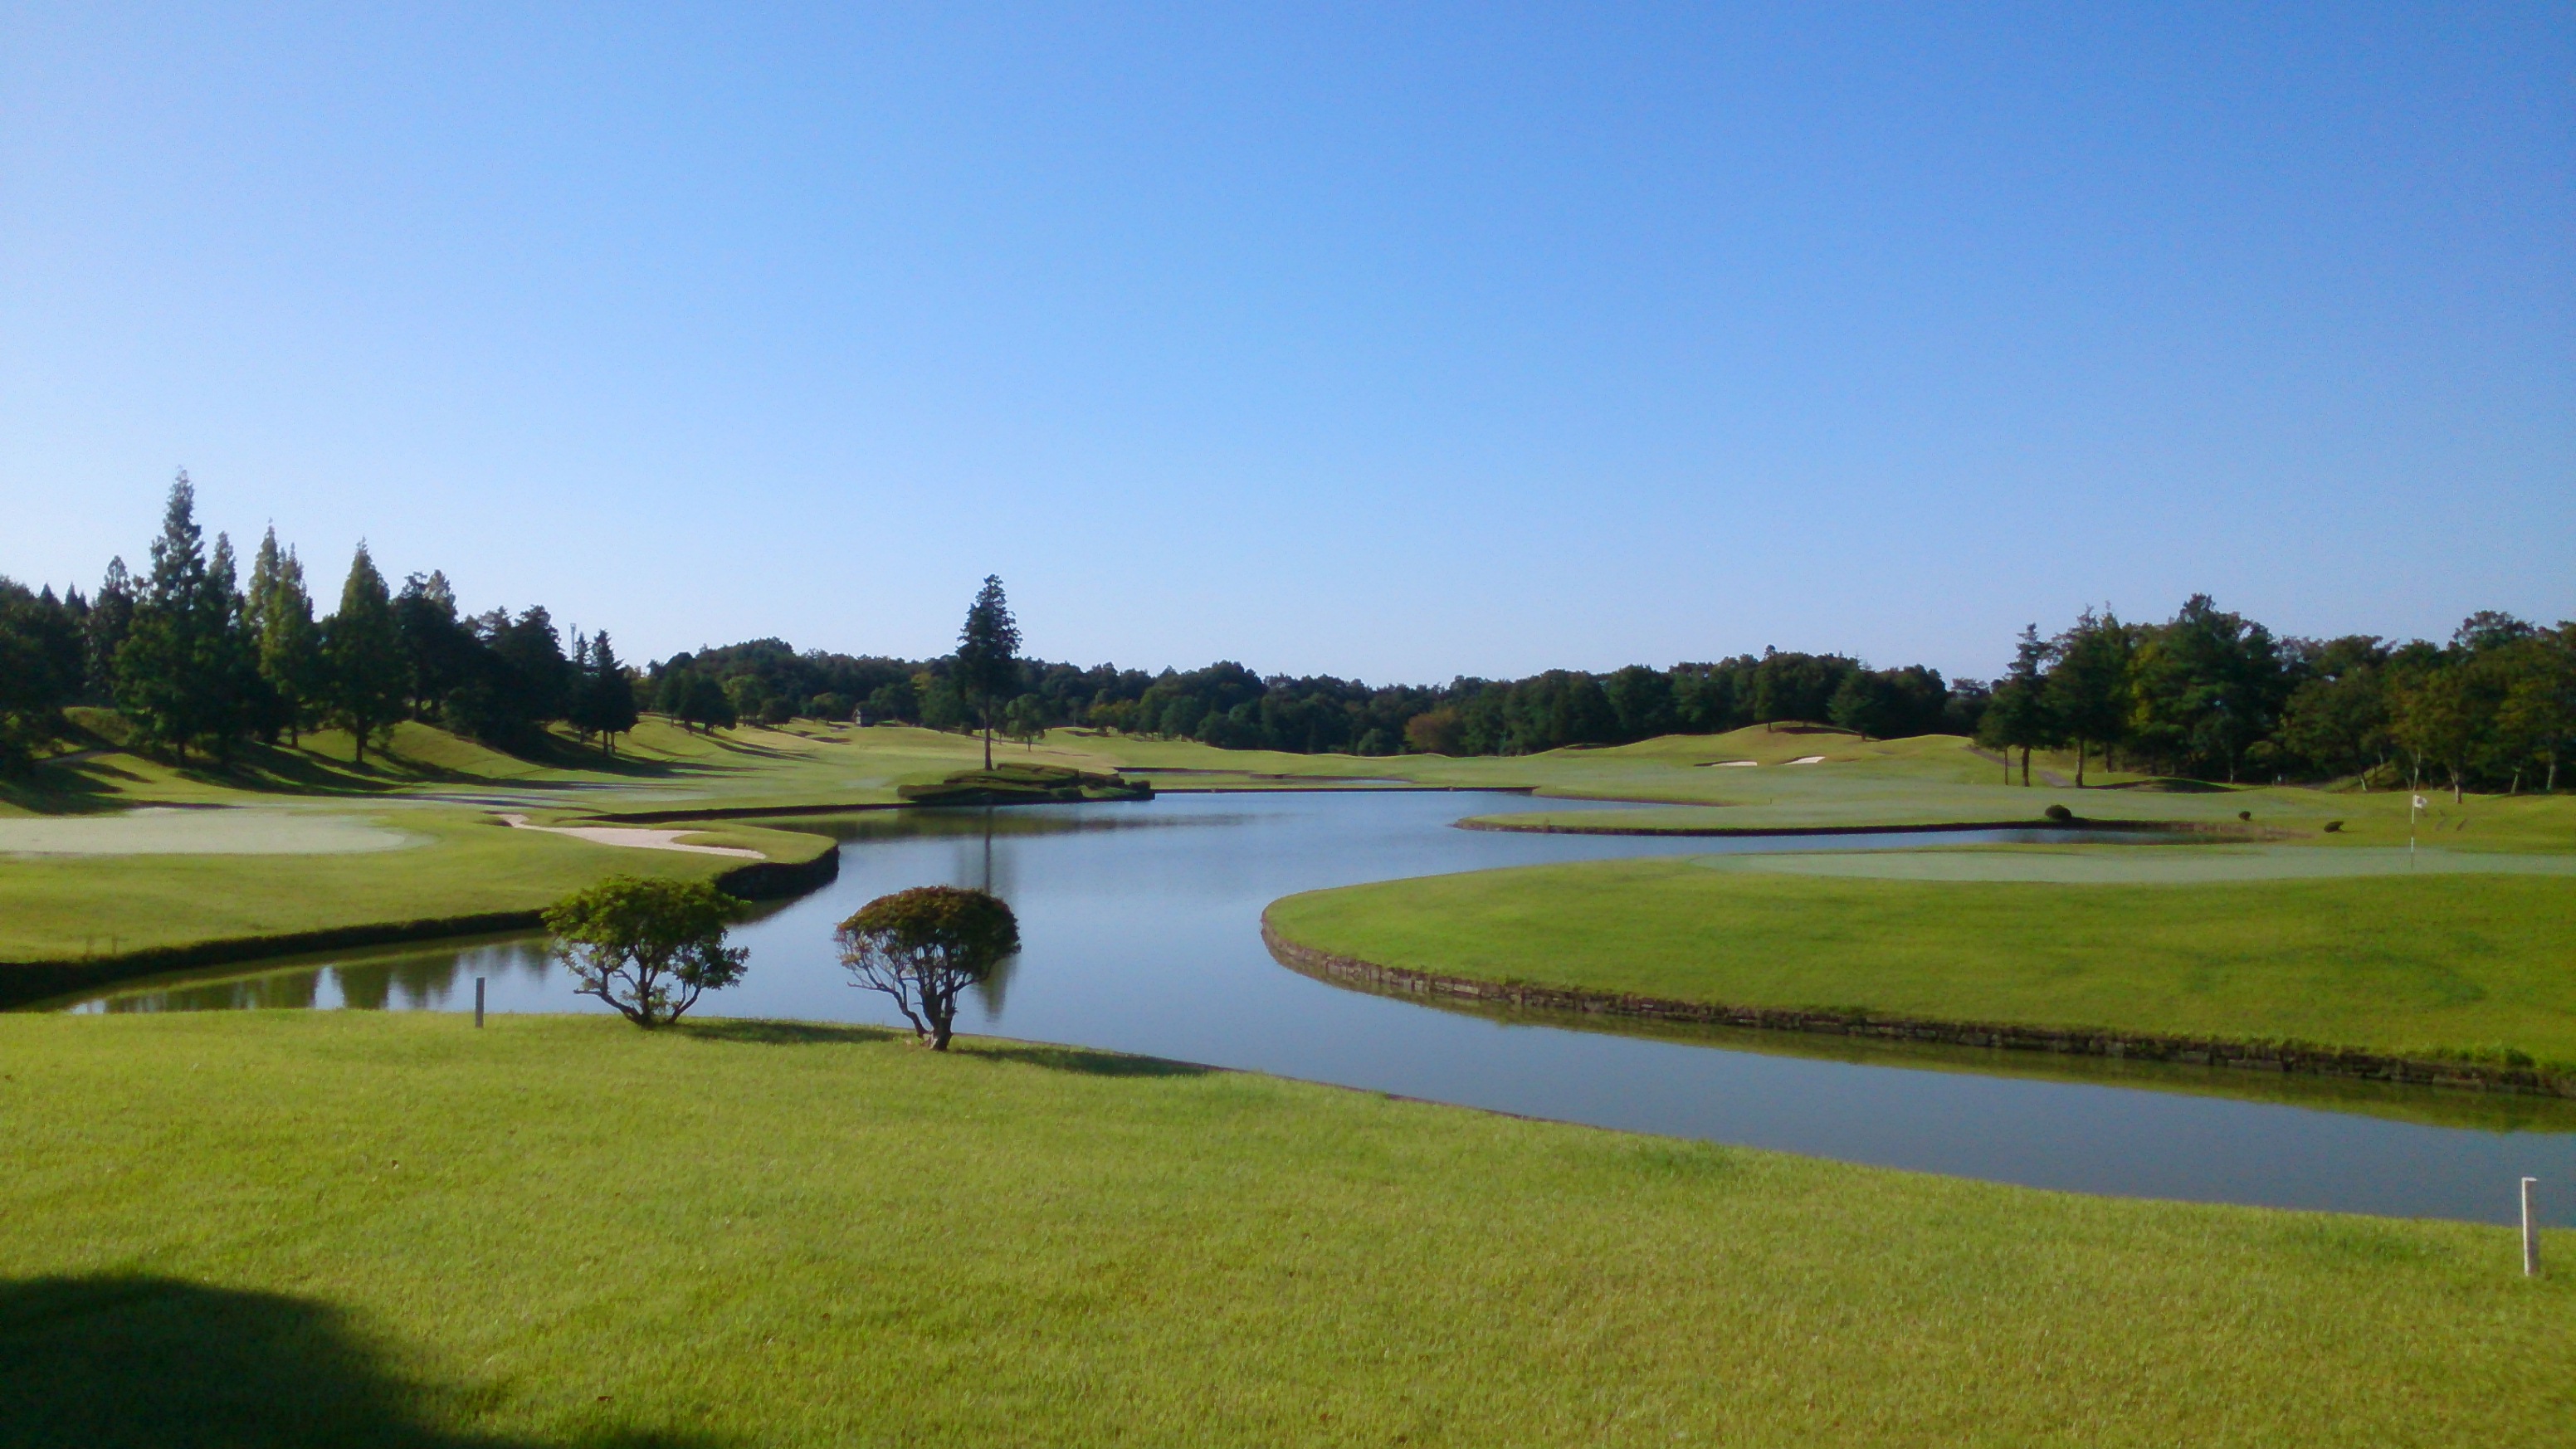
[1808, 760]
[1733, 764]
[2138, 864]
[631, 838]
[223, 831]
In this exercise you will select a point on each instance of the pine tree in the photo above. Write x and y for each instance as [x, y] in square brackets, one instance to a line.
[175, 670]
[988, 656]
[290, 648]
[364, 655]
[111, 617]
[611, 692]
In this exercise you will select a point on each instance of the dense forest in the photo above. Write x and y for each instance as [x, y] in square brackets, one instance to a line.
[198, 661]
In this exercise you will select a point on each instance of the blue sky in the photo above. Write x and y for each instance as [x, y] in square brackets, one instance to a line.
[1396, 342]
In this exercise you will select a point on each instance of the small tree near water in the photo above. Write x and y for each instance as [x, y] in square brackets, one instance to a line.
[924, 946]
[649, 948]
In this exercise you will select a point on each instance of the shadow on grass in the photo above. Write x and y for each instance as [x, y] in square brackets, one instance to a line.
[1087, 1063]
[111, 1361]
[1054, 1058]
[789, 1033]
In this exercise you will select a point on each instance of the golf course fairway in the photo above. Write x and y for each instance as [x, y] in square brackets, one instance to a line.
[561, 1230]
[2473, 965]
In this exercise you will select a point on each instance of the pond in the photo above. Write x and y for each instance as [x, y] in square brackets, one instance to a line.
[1141, 934]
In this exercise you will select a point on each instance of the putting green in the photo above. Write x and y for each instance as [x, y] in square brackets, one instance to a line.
[198, 832]
[2137, 864]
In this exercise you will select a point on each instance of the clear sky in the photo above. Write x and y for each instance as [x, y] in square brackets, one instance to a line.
[1387, 341]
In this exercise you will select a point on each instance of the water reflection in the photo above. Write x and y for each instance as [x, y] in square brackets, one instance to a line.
[1140, 934]
[439, 978]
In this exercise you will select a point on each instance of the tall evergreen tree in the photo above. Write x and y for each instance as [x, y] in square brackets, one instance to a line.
[364, 654]
[290, 649]
[988, 656]
[180, 671]
[609, 692]
[111, 617]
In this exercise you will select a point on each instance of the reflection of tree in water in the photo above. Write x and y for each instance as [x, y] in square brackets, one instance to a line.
[279, 990]
[977, 866]
[114, 1361]
[365, 985]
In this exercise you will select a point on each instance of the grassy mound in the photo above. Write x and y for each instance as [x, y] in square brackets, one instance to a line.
[1025, 784]
[2456, 965]
[307, 1228]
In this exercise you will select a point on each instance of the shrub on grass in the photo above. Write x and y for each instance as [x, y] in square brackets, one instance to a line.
[925, 945]
[2058, 813]
[650, 948]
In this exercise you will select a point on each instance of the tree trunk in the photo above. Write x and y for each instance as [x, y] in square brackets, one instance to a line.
[2025, 767]
[2079, 762]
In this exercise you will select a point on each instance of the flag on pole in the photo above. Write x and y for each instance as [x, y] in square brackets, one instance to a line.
[2419, 803]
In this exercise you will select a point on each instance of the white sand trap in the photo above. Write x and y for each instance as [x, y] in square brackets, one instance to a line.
[1733, 764]
[632, 838]
[1808, 760]
[228, 830]
[2140, 864]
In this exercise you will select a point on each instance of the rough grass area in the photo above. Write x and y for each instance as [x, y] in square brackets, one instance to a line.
[301, 1229]
[2458, 964]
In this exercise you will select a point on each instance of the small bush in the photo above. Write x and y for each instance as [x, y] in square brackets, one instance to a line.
[2333, 826]
[2058, 813]
[2244, 814]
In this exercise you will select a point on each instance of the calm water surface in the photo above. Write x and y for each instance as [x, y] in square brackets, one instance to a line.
[1140, 925]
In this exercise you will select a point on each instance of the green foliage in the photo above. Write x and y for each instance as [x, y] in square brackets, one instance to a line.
[988, 657]
[40, 668]
[649, 947]
[603, 692]
[289, 642]
[185, 673]
[923, 946]
[1026, 719]
[364, 655]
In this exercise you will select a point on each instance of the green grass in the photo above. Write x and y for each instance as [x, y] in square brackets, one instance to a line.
[2456, 963]
[324, 1228]
[56, 908]
[441, 788]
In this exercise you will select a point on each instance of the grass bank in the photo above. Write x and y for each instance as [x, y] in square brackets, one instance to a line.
[309, 1228]
[2471, 966]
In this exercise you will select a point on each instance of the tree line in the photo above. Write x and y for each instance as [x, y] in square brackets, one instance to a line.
[197, 662]
[200, 662]
[2210, 694]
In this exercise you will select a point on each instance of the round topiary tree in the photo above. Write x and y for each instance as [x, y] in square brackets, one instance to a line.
[650, 948]
[925, 945]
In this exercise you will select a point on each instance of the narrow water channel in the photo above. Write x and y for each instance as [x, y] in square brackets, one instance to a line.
[1140, 929]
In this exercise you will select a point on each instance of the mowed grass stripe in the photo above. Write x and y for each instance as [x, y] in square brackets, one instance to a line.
[394, 1228]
